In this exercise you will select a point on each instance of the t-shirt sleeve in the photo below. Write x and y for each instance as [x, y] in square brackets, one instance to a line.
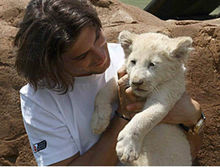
[49, 137]
[117, 57]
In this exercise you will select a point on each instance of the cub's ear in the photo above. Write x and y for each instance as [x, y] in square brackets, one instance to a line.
[182, 47]
[126, 40]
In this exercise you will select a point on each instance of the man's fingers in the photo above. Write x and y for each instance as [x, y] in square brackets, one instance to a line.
[132, 97]
[122, 71]
[137, 106]
[123, 82]
[129, 92]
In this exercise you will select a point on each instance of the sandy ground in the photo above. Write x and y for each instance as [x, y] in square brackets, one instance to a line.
[203, 76]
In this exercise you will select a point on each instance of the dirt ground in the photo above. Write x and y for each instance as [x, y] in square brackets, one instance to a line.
[203, 75]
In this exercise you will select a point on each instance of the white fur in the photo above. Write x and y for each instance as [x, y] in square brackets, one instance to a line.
[154, 64]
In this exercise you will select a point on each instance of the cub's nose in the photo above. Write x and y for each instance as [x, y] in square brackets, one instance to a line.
[137, 82]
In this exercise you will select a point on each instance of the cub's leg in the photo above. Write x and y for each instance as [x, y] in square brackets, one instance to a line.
[103, 106]
[157, 106]
[130, 139]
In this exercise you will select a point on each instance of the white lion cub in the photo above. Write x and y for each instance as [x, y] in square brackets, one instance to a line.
[155, 65]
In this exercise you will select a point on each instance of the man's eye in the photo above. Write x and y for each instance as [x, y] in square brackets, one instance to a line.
[82, 56]
[98, 31]
[97, 36]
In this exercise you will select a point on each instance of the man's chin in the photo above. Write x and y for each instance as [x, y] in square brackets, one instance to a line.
[104, 67]
[101, 70]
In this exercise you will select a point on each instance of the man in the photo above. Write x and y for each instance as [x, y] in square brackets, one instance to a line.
[64, 56]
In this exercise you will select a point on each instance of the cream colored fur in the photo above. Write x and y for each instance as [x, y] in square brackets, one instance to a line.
[154, 64]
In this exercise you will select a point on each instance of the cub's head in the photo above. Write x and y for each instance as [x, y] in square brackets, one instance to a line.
[153, 58]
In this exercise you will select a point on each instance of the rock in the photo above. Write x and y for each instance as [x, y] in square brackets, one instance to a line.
[101, 3]
[202, 78]
[12, 11]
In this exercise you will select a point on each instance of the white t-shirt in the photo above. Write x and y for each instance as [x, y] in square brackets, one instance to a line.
[58, 126]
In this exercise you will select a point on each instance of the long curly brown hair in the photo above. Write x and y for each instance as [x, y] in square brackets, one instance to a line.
[48, 29]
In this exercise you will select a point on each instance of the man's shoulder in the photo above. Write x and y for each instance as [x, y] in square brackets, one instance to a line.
[116, 47]
[114, 44]
[117, 55]
[41, 97]
[29, 92]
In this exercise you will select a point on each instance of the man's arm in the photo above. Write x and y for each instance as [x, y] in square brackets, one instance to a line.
[186, 111]
[103, 152]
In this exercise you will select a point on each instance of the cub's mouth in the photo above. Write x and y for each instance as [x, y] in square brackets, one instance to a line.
[140, 91]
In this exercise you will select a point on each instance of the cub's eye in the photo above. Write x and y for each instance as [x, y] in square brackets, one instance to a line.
[133, 62]
[151, 64]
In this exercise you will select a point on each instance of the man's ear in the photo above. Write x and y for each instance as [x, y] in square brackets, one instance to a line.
[126, 40]
[182, 47]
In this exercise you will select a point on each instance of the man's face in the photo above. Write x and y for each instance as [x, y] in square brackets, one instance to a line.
[88, 55]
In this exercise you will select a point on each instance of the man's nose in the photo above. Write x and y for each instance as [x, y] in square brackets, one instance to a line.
[98, 52]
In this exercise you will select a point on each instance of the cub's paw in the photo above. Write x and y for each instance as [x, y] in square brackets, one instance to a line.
[128, 147]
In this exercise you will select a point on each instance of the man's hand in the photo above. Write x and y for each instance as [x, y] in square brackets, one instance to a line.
[186, 111]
